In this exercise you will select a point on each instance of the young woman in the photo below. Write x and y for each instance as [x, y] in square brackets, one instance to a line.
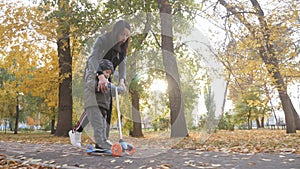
[113, 47]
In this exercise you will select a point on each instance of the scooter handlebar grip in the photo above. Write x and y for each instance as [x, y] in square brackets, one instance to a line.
[120, 89]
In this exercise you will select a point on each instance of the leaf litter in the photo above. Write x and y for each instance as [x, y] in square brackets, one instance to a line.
[239, 141]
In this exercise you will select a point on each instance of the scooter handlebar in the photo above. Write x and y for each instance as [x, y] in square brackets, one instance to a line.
[120, 89]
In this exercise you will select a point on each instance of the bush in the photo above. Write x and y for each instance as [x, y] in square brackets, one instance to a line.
[226, 123]
[202, 121]
[160, 123]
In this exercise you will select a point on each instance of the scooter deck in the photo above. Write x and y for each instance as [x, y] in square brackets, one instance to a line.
[116, 150]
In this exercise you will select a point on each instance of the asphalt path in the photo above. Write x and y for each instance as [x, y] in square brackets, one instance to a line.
[69, 157]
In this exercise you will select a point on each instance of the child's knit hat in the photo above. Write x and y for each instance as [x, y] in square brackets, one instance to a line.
[106, 65]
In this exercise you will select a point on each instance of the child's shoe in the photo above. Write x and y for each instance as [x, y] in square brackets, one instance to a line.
[105, 145]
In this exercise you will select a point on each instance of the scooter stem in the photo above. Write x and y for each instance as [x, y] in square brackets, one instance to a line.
[119, 114]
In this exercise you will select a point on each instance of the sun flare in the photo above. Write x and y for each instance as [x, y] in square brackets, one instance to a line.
[159, 85]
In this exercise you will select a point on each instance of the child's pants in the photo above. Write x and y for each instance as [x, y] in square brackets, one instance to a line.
[97, 117]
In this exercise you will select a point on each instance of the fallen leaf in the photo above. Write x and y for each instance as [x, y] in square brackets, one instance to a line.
[166, 166]
[128, 161]
[216, 165]
[251, 163]
[264, 159]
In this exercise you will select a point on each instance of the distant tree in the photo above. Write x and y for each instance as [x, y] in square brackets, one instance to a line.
[267, 52]
[268, 36]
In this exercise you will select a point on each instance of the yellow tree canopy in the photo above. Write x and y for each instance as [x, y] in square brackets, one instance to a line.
[28, 53]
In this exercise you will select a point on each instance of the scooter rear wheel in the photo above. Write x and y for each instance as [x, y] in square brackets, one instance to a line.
[116, 150]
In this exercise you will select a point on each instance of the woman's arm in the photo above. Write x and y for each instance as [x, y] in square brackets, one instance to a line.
[122, 73]
[97, 54]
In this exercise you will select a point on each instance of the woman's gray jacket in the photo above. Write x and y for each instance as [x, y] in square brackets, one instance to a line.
[100, 48]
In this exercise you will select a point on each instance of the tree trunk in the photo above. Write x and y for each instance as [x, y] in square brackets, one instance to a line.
[64, 123]
[53, 124]
[257, 123]
[296, 117]
[249, 121]
[287, 108]
[136, 116]
[17, 116]
[178, 123]
[262, 125]
[135, 98]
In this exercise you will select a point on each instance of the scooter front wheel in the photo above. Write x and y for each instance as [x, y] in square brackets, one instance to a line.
[130, 149]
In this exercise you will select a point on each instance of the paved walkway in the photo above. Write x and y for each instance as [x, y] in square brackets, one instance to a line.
[66, 156]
